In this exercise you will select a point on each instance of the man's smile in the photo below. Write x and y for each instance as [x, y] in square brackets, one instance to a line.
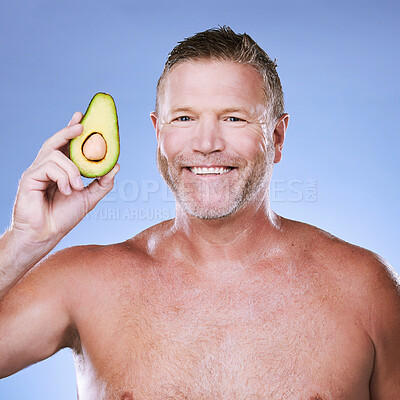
[209, 170]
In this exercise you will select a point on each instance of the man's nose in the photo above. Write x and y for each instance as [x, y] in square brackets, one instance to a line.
[208, 136]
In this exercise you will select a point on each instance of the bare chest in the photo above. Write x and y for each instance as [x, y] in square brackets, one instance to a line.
[251, 341]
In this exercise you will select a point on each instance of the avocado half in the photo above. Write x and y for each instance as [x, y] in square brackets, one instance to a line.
[99, 122]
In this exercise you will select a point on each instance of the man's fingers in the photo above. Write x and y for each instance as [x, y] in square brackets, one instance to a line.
[108, 178]
[41, 178]
[60, 140]
[75, 118]
[62, 137]
[74, 176]
[55, 168]
[97, 189]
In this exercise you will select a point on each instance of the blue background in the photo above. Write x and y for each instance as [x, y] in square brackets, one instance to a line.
[339, 65]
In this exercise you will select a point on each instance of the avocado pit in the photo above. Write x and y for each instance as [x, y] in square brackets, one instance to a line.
[94, 148]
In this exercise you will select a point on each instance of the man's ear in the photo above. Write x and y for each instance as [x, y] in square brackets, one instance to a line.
[154, 120]
[279, 136]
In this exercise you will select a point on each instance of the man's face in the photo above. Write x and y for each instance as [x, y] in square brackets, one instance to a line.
[215, 147]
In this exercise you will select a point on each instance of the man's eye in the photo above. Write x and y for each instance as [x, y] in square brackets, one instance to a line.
[235, 119]
[184, 118]
[182, 121]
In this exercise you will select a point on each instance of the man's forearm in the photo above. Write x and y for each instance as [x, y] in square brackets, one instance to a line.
[16, 259]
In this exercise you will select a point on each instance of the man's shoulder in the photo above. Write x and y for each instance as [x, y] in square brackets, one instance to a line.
[135, 250]
[332, 248]
[359, 270]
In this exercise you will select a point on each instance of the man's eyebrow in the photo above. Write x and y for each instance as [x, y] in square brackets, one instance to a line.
[233, 110]
[221, 111]
[180, 109]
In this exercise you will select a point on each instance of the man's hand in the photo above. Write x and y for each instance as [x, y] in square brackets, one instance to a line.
[51, 198]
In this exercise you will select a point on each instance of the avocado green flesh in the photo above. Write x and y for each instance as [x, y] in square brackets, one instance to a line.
[100, 117]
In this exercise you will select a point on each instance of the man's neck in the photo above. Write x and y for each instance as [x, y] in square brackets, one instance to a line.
[253, 228]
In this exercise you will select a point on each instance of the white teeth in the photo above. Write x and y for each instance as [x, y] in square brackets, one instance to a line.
[210, 170]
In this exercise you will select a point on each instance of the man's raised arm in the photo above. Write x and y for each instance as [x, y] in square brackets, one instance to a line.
[50, 201]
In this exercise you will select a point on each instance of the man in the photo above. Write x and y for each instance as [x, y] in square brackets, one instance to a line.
[228, 300]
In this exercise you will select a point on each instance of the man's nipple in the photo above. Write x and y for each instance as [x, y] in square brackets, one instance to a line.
[126, 396]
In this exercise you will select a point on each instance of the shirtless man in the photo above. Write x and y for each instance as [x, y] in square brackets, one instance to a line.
[228, 300]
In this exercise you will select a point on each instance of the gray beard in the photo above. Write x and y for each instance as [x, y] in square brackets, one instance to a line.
[252, 180]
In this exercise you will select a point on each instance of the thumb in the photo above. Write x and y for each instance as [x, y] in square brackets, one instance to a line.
[97, 189]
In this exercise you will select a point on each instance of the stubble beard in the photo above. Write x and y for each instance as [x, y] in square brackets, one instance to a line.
[230, 196]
